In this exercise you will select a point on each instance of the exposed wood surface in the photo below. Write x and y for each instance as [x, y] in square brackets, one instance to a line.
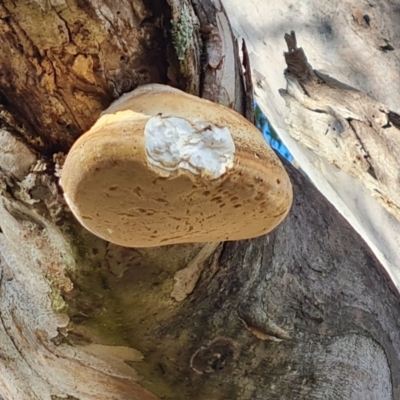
[345, 126]
[355, 43]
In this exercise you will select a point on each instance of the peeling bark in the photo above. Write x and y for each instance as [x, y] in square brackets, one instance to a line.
[304, 312]
[337, 45]
[345, 126]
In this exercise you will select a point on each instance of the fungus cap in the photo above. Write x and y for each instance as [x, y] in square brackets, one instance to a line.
[161, 166]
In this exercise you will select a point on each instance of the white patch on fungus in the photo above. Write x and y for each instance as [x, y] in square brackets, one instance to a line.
[202, 148]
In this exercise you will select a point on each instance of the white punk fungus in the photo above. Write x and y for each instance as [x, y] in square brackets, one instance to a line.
[202, 148]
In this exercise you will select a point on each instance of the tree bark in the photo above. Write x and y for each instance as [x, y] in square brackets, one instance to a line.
[306, 312]
[354, 43]
[360, 134]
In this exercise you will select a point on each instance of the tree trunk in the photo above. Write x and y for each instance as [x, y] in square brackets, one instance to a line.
[305, 312]
[353, 42]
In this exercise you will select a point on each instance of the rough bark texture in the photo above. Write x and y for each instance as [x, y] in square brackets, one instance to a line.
[63, 62]
[355, 43]
[305, 312]
[345, 126]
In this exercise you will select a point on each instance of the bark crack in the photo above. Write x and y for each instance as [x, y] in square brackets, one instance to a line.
[64, 21]
[363, 141]
[256, 321]
[367, 157]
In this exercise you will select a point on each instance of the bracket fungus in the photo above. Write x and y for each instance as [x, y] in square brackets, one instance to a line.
[161, 166]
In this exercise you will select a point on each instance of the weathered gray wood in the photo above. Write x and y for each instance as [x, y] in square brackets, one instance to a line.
[353, 42]
[345, 126]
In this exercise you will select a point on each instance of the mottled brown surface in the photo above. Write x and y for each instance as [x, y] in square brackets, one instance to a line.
[117, 192]
[62, 65]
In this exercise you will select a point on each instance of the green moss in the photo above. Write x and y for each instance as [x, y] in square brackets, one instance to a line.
[57, 302]
[182, 33]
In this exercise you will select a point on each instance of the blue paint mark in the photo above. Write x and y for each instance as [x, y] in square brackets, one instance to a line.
[270, 134]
